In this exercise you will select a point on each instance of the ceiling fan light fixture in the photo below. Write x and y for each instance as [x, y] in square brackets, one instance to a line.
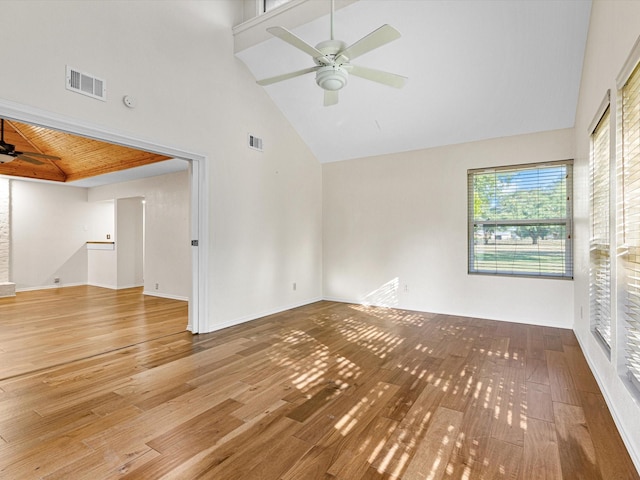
[332, 77]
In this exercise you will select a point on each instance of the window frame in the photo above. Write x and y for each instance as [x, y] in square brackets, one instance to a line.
[566, 221]
[600, 258]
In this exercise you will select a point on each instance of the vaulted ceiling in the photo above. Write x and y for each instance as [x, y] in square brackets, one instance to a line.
[477, 69]
[78, 157]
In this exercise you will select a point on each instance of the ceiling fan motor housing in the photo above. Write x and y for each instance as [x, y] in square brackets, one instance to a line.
[331, 75]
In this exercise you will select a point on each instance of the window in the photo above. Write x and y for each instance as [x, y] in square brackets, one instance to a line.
[268, 5]
[520, 220]
[600, 261]
[629, 219]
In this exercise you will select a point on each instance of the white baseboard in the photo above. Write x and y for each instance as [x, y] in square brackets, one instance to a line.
[412, 308]
[48, 287]
[103, 285]
[635, 456]
[266, 313]
[165, 295]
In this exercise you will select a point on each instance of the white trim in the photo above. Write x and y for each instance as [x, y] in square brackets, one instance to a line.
[199, 183]
[409, 308]
[49, 287]
[102, 285]
[606, 102]
[612, 407]
[266, 313]
[123, 287]
[629, 65]
[169, 296]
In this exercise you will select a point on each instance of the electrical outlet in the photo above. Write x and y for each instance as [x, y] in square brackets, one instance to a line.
[108, 237]
[295, 286]
[56, 280]
[157, 285]
[406, 288]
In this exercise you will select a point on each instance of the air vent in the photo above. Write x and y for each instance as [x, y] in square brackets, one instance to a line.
[255, 142]
[86, 84]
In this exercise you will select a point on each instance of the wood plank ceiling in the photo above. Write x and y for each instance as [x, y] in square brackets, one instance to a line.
[80, 157]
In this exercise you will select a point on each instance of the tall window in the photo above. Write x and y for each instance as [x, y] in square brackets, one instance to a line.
[629, 219]
[520, 220]
[600, 284]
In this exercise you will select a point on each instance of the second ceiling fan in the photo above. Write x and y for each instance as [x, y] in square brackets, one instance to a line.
[333, 57]
[8, 152]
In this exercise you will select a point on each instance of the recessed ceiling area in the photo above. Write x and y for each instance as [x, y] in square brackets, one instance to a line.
[477, 70]
[82, 161]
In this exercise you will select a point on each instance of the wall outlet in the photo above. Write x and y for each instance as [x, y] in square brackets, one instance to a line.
[406, 288]
[157, 285]
[56, 280]
[295, 286]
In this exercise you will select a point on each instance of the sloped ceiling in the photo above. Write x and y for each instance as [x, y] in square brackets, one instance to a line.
[79, 157]
[477, 69]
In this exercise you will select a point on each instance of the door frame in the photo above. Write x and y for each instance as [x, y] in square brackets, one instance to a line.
[198, 305]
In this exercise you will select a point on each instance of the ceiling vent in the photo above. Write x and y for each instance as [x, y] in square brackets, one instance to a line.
[255, 142]
[86, 84]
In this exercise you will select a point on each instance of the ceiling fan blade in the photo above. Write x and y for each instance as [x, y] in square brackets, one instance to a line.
[285, 35]
[375, 39]
[41, 155]
[286, 76]
[379, 76]
[330, 97]
[33, 161]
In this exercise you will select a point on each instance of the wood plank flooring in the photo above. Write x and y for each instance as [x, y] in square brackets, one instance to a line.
[326, 391]
[42, 328]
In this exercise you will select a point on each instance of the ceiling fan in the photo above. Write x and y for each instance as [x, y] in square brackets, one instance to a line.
[8, 152]
[333, 60]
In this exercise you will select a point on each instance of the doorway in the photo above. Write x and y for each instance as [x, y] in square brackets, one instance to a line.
[197, 314]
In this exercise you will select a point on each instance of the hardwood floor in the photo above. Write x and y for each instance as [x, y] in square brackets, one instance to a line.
[326, 391]
[43, 328]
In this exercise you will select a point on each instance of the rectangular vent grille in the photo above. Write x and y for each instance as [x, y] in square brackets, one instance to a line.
[255, 142]
[86, 84]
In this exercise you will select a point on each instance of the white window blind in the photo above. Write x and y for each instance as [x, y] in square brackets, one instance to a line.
[600, 284]
[520, 220]
[629, 215]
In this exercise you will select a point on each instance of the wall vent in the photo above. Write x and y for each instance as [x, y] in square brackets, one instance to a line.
[255, 142]
[86, 84]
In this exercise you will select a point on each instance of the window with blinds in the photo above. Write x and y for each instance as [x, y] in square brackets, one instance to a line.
[600, 261]
[520, 220]
[629, 219]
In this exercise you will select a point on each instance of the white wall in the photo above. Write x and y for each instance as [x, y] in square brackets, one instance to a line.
[397, 220]
[129, 242]
[176, 58]
[49, 229]
[103, 221]
[166, 239]
[613, 31]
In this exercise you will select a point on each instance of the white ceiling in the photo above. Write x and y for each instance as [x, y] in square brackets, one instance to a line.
[153, 169]
[477, 69]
